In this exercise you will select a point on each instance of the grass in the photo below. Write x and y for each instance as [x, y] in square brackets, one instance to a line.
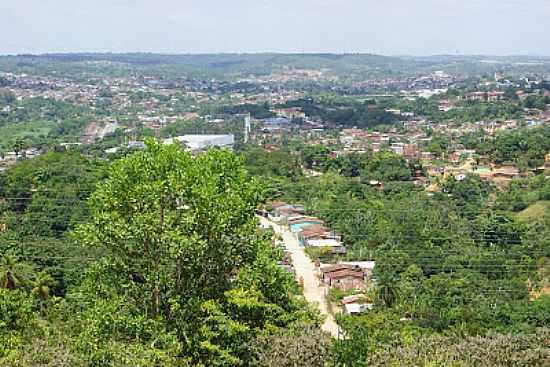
[534, 211]
[24, 130]
[322, 253]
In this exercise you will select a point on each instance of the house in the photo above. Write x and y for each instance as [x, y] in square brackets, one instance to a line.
[366, 266]
[343, 277]
[454, 157]
[505, 172]
[476, 96]
[354, 298]
[276, 124]
[317, 235]
[112, 150]
[286, 262]
[346, 279]
[282, 211]
[314, 232]
[357, 308]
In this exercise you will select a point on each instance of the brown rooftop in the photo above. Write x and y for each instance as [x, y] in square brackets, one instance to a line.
[337, 267]
[313, 230]
[345, 273]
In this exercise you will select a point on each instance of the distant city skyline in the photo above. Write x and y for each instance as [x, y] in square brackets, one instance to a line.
[390, 27]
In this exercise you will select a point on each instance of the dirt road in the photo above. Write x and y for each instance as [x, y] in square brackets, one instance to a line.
[305, 269]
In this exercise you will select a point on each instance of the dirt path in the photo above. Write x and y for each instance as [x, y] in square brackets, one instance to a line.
[305, 268]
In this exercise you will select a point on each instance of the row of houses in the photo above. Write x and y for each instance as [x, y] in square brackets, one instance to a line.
[312, 232]
[10, 158]
[309, 231]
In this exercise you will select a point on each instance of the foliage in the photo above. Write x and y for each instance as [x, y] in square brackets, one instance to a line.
[300, 347]
[469, 193]
[387, 166]
[490, 350]
[356, 114]
[48, 194]
[177, 230]
[279, 163]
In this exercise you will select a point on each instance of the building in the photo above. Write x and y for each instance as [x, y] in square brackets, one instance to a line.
[315, 232]
[507, 172]
[280, 211]
[343, 277]
[290, 113]
[203, 142]
[398, 148]
[476, 96]
[276, 124]
[366, 266]
[356, 308]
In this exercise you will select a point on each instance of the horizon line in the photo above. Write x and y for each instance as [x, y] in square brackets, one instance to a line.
[295, 53]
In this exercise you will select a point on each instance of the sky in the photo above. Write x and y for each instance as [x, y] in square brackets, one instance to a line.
[387, 27]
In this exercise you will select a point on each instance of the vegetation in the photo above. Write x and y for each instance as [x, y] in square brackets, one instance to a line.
[455, 264]
[184, 277]
[362, 115]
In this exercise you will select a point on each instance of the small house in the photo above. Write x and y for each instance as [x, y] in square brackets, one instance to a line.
[343, 277]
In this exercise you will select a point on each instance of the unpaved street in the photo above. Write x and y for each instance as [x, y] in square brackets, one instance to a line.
[305, 268]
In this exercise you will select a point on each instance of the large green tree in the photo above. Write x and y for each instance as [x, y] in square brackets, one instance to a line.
[182, 246]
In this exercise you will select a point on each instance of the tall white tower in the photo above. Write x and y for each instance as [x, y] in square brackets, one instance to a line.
[247, 128]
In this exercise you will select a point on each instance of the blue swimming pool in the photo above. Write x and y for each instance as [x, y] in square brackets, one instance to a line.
[298, 226]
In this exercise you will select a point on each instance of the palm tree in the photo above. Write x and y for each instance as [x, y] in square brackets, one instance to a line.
[386, 291]
[41, 286]
[13, 274]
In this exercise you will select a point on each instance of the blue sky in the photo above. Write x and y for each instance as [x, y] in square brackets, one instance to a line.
[389, 27]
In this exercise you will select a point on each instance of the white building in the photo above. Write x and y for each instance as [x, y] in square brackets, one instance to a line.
[202, 142]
